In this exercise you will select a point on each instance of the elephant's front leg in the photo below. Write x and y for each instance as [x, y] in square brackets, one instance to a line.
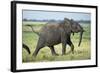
[53, 50]
[69, 42]
[63, 41]
[72, 46]
[63, 48]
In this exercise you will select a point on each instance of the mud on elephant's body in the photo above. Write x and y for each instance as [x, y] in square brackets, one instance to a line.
[55, 33]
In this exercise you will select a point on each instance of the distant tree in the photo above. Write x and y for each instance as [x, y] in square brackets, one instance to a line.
[84, 21]
[25, 19]
[52, 20]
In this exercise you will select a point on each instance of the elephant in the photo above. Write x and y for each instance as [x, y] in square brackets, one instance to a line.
[26, 47]
[60, 32]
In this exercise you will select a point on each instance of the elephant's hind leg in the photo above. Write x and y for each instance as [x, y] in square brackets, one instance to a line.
[40, 45]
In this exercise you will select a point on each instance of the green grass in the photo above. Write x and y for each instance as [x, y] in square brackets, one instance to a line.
[81, 53]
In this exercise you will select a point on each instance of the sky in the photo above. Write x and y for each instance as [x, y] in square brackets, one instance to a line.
[41, 15]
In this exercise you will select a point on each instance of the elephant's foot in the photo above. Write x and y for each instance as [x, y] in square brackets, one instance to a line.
[63, 54]
[34, 55]
[55, 54]
[72, 52]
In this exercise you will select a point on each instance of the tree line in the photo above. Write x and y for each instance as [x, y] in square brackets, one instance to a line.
[53, 20]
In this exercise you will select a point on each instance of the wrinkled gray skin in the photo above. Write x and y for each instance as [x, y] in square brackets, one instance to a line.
[53, 34]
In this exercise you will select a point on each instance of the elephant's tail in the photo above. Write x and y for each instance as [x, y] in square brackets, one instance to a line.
[27, 48]
[33, 29]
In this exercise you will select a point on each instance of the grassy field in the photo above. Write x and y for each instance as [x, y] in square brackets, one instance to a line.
[81, 53]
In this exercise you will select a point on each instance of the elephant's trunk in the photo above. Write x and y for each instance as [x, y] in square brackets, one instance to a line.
[80, 40]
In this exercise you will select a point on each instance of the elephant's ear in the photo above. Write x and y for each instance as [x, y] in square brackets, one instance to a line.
[67, 24]
[72, 21]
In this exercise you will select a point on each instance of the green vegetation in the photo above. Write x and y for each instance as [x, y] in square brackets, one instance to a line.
[81, 53]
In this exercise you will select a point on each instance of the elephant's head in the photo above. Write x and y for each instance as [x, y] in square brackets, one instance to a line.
[74, 27]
